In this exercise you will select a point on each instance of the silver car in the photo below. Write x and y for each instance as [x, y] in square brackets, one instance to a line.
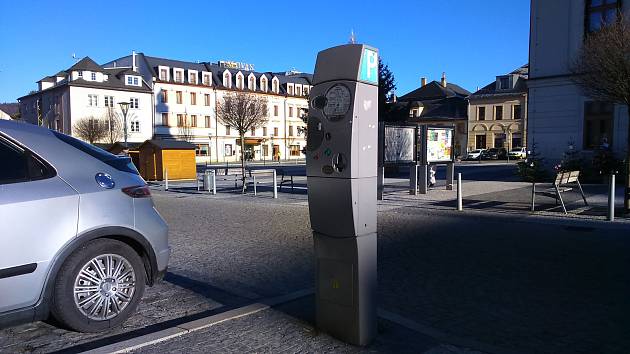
[79, 234]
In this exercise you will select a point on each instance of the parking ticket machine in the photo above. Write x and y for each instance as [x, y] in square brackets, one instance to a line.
[341, 167]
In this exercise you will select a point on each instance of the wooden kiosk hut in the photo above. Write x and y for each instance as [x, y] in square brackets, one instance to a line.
[175, 156]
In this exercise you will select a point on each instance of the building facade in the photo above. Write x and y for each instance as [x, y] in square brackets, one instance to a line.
[437, 104]
[186, 95]
[497, 113]
[558, 113]
[87, 90]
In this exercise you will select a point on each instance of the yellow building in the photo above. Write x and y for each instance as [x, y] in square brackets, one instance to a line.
[497, 113]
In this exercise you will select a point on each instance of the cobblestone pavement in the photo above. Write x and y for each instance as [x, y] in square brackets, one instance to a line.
[525, 284]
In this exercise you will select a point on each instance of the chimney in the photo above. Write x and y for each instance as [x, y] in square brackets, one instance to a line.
[443, 80]
[423, 81]
[133, 61]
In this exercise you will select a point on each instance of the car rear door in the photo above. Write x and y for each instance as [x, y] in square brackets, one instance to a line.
[38, 215]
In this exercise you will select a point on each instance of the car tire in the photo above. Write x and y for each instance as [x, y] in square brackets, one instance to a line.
[108, 277]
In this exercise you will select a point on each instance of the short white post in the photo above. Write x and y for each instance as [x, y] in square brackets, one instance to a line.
[214, 182]
[254, 177]
[611, 198]
[165, 179]
[460, 204]
[275, 185]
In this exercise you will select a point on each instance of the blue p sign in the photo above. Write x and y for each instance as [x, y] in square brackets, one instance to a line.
[369, 66]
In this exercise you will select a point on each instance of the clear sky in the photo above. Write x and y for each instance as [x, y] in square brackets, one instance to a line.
[472, 41]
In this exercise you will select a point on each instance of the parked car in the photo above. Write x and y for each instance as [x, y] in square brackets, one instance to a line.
[494, 154]
[80, 234]
[475, 154]
[518, 153]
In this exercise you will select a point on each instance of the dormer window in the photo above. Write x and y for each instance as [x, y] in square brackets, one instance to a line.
[227, 79]
[179, 75]
[275, 85]
[239, 81]
[192, 77]
[80, 73]
[298, 90]
[163, 73]
[206, 79]
[263, 84]
[93, 77]
[133, 80]
[290, 89]
[504, 83]
[251, 85]
[306, 90]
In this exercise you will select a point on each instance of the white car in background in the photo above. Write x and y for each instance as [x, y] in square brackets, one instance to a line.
[518, 153]
[475, 154]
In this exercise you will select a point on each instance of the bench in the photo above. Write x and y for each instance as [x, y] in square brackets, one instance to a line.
[284, 178]
[561, 184]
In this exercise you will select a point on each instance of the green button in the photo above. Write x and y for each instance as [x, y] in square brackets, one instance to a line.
[327, 152]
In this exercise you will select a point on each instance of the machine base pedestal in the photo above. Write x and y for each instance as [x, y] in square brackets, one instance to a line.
[346, 285]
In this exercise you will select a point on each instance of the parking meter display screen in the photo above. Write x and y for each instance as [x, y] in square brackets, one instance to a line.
[439, 145]
[338, 101]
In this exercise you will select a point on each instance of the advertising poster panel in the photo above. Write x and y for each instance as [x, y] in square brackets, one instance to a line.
[440, 144]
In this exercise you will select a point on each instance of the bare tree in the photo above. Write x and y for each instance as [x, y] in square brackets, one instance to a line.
[398, 144]
[244, 112]
[602, 70]
[114, 126]
[91, 129]
[185, 129]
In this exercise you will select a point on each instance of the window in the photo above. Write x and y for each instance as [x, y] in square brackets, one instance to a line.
[178, 76]
[164, 96]
[18, 166]
[498, 112]
[180, 120]
[600, 13]
[252, 83]
[295, 150]
[80, 73]
[263, 84]
[275, 131]
[290, 89]
[305, 91]
[290, 111]
[227, 130]
[207, 119]
[516, 112]
[132, 80]
[517, 140]
[227, 79]
[264, 131]
[192, 78]
[253, 131]
[135, 126]
[239, 82]
[109, 101]
[165, 119]
[202, 150]
[193, 98]
[481, 113]
[504, 83]
[290, 130]
[274, 86]
[228, 150]
[133, 103]
[598, 124]
[265, 150]
[206, 99]
[275, 110]
[193, 120]
[178, 97]
[93, 76]
[206, 79]
[480, 141]
[93, 100]
[163, 74]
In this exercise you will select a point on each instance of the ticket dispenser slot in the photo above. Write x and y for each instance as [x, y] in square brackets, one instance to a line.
[341, 167]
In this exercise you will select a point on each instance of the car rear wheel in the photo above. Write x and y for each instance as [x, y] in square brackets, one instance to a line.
[99, 286]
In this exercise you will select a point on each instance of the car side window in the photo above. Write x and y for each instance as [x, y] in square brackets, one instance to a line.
[19, 165]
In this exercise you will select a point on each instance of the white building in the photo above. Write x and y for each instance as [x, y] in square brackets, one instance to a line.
[88, 90]
[186, 94]
[558, 113]
[4, 115]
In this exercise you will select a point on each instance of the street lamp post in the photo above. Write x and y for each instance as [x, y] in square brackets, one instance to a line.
[507, 132]
[209, 149]
[124, 107]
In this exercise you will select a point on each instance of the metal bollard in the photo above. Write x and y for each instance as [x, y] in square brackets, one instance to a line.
[214, 182]
[255, 192]
[413, 179]
[611, 198]
[275, 185]
[165, 179]
[460, 204]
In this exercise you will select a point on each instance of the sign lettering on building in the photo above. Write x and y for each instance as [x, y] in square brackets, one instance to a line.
[236, 65]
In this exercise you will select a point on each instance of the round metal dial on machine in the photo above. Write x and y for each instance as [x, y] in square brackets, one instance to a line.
[338, 100]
